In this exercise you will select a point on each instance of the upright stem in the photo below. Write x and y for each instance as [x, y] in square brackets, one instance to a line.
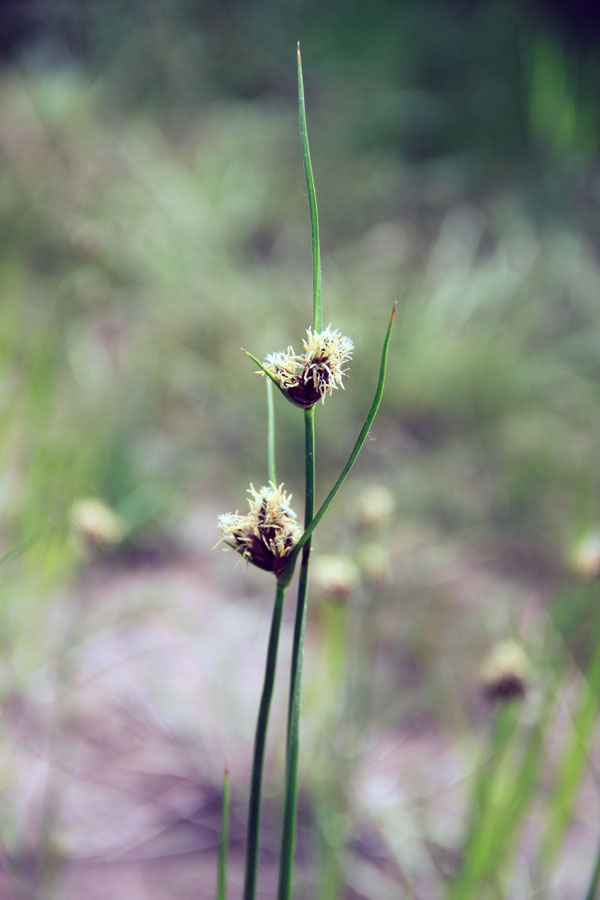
[312, 203]
[259, 748]
[270, 434]
[592, 891]
[286, 864]
[222, 877]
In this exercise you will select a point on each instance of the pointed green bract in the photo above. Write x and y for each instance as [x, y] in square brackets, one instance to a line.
[266, 372]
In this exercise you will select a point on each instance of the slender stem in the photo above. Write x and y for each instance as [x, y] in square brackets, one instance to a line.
[592, 891]
[259, 749]
[286, 576]
[286, 864]
[312, 203]
[271, 434]
[222, 881]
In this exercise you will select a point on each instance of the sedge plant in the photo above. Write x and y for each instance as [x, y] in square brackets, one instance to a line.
[269, 535]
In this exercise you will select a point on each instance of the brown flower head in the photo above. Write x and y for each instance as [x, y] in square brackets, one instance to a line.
[266, 535]
[310, 376]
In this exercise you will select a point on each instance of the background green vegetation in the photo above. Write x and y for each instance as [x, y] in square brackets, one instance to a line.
[154, 220]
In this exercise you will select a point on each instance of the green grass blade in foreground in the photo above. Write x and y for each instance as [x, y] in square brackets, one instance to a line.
[592, 891]
[21, 546]
[271, 434]
[222, 880]
[254, 805]
[572, 765]
[503, 729]
[312, 203]
[288, 837]
[289, 571]
[510, 792]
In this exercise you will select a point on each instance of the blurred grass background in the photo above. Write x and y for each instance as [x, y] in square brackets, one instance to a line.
[154, 220]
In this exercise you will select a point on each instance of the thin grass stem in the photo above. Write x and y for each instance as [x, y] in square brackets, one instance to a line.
[271, 434]
[288, 839]
[254, 806]
[592, 891]
[222, 878]
[312, 203]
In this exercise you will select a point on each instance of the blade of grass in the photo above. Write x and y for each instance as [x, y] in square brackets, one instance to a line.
[572, 764]
[503, 731]
[222, 879]
[312, 203]
[289, 571]
[509, 794]
[592, 891]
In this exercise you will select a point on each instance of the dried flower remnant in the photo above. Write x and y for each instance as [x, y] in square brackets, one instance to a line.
[336, 576]
[585, 556]
[267, 534]
[375, 561]
[375, 505]
[503, 674]
[310, 376]
[95, 523]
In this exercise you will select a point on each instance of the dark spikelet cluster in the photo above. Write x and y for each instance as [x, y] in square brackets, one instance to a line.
[267, 534]
[309, 376]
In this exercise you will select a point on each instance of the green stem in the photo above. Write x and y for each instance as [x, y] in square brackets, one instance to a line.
[222, 881]
[592, 891]
[312, 203]
[259, 748]
[286, 576]
[271, 434]
[286, 864]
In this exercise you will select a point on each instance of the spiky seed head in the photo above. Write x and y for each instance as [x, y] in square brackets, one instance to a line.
[504, 671]
[267, 534]
[310, 376]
